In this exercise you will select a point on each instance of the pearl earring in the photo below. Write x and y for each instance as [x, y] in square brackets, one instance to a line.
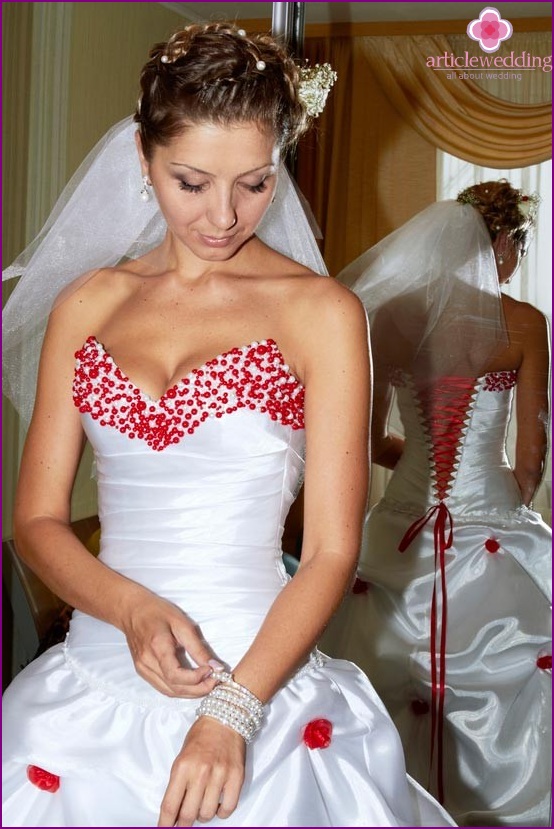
[145, 190]
[500, 259]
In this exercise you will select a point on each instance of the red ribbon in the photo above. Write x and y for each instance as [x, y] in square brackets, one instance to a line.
[443, 542]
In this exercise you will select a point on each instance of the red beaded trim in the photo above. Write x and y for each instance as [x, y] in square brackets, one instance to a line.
[494, 380]
[500, 380]
[252, 377]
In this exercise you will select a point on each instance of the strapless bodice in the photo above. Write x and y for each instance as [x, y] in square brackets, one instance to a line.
[194, 488]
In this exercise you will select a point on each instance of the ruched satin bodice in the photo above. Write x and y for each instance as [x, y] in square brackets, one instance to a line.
[211, 549]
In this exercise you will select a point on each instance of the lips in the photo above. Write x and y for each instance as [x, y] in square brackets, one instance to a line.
[217, 242]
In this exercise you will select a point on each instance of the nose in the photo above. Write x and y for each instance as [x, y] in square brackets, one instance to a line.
[221, 211]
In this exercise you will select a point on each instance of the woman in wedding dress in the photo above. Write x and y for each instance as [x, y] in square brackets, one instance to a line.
[450, 615]
[189, 688]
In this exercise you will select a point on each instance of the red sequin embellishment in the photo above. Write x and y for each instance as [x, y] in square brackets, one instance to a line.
[317, 734]
[419, 707]
[545, 662]
[500, 380]
[253, 377]
[42, 779]
[360, 586]
[492, 545]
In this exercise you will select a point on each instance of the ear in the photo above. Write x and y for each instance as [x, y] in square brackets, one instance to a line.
[144, 165]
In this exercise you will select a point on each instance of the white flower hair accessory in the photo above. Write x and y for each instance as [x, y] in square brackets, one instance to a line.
[528, 206]
[315, 83]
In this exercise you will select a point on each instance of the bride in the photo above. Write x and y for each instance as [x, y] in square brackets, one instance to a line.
[203, 364]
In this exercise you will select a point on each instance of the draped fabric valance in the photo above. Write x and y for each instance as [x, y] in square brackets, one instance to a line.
[455, 114]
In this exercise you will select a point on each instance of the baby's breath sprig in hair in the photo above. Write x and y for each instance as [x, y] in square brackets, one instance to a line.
[467, 196]
[528, 206]
[315, 83]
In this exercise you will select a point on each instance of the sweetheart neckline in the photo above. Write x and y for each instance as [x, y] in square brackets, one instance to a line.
[194, 371]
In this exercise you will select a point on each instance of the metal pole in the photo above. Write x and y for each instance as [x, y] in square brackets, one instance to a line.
[287, 24]
[281, 23]
[297, 39]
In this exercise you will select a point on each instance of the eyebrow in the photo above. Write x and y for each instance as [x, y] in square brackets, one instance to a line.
[205, 173]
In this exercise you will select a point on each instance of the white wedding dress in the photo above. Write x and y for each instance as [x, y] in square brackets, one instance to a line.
[489, 720]
[193, 493]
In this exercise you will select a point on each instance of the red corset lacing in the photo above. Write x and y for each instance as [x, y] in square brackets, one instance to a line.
[444, 409]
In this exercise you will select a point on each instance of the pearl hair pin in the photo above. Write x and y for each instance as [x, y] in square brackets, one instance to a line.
[260, 65]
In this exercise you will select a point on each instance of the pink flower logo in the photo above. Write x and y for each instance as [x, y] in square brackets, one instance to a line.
[490, 29]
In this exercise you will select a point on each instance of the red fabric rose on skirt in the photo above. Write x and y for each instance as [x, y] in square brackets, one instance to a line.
[44, 780]
[317, 734]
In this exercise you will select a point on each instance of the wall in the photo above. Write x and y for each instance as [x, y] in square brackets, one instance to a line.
[70, 71]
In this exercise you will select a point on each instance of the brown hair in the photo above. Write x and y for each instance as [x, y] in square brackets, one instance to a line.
[215, 73]
[499, 205]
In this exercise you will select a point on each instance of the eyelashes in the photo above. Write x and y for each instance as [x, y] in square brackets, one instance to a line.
[198, 188]
[258, 188]
[190, 188]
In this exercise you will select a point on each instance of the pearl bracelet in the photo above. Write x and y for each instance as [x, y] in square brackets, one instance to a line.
[233, 705]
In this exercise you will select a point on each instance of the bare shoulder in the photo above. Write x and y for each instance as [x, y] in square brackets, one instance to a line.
[325, 298]
[326, 326]
[527, 326]
[523, 314]
[81, 307]
[309, 296]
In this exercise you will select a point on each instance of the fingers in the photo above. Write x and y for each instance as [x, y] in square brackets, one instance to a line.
[230, 795]
[174, 797]
[212, 794]
[196, 646]
[161, 654]
[208, 794]
[206, 777]
[188, 684]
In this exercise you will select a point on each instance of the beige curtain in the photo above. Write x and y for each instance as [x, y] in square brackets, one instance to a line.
[455, 114]
[364, 169]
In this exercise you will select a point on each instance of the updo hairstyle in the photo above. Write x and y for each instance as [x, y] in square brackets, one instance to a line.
[500, 206]
[215, 73]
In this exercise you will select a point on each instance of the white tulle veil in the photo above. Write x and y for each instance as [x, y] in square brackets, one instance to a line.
[99, 221]
[432, 294]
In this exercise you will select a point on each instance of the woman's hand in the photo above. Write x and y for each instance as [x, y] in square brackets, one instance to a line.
[206, 777]
[161, 638]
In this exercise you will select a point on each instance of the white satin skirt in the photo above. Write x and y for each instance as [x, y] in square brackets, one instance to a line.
[497, 704]
[111, 740]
